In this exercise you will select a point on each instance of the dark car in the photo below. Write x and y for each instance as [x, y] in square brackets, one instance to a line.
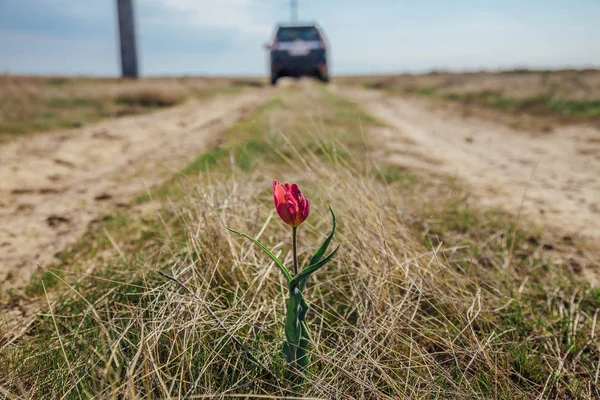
[298, 50]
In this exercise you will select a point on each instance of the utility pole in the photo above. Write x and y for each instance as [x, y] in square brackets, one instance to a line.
[294, 10]
[129, 65]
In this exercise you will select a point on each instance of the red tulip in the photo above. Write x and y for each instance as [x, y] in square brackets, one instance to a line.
[292, 206]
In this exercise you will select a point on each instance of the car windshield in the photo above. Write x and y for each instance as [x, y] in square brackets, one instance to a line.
[294, 33]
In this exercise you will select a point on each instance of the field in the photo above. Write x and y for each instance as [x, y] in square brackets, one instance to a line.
[449, 282]
[33, 104]
[552, 96]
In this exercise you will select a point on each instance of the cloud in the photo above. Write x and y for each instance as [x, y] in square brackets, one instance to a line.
[242, 16]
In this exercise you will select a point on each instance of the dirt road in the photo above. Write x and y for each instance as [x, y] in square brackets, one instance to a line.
[54, 184]
[557, 172]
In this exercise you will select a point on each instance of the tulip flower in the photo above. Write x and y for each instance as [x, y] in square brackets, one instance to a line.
[293, 208]
[291, 205]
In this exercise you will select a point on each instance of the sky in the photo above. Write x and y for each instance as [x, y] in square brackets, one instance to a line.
[225, 37]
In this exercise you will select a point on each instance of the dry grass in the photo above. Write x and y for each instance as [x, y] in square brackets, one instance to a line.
[150, 98]
[398, 314]
[32, 104]
[568, 84]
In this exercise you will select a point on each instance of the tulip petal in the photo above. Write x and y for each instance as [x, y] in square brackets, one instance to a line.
[306, 210]
[278, 193]
[296, 193]
[284, 213]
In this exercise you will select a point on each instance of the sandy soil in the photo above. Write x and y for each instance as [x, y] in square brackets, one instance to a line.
[53, 185]
[554, 177]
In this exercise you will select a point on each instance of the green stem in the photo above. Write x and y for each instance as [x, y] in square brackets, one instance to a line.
[295, 253]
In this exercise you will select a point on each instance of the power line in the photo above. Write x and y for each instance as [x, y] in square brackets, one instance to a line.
[294, 10]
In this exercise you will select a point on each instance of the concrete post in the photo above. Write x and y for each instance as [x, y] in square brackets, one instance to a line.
[129, 66]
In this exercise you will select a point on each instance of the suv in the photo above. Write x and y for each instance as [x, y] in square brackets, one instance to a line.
[298, 50]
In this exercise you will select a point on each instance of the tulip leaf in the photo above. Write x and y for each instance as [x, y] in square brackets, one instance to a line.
[295, 348]
[310, 269]
[287, 352]
[304, 342]
[293, 325]
[321, 251]
[302, 353]
[268, 252]
[303, 282]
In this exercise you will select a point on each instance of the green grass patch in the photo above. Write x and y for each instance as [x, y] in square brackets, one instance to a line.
[542, 105]
[425, 91]
[247, 143]
[39, 281]
[206, 161]
[396, 174]
[68, 102]
[57, 82]
[575, 107]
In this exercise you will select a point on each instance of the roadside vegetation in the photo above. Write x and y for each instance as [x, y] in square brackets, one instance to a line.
[563, 96]
[34, 104]
[429, 297]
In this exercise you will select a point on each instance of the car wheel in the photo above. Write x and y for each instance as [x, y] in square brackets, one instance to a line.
[274, 80]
